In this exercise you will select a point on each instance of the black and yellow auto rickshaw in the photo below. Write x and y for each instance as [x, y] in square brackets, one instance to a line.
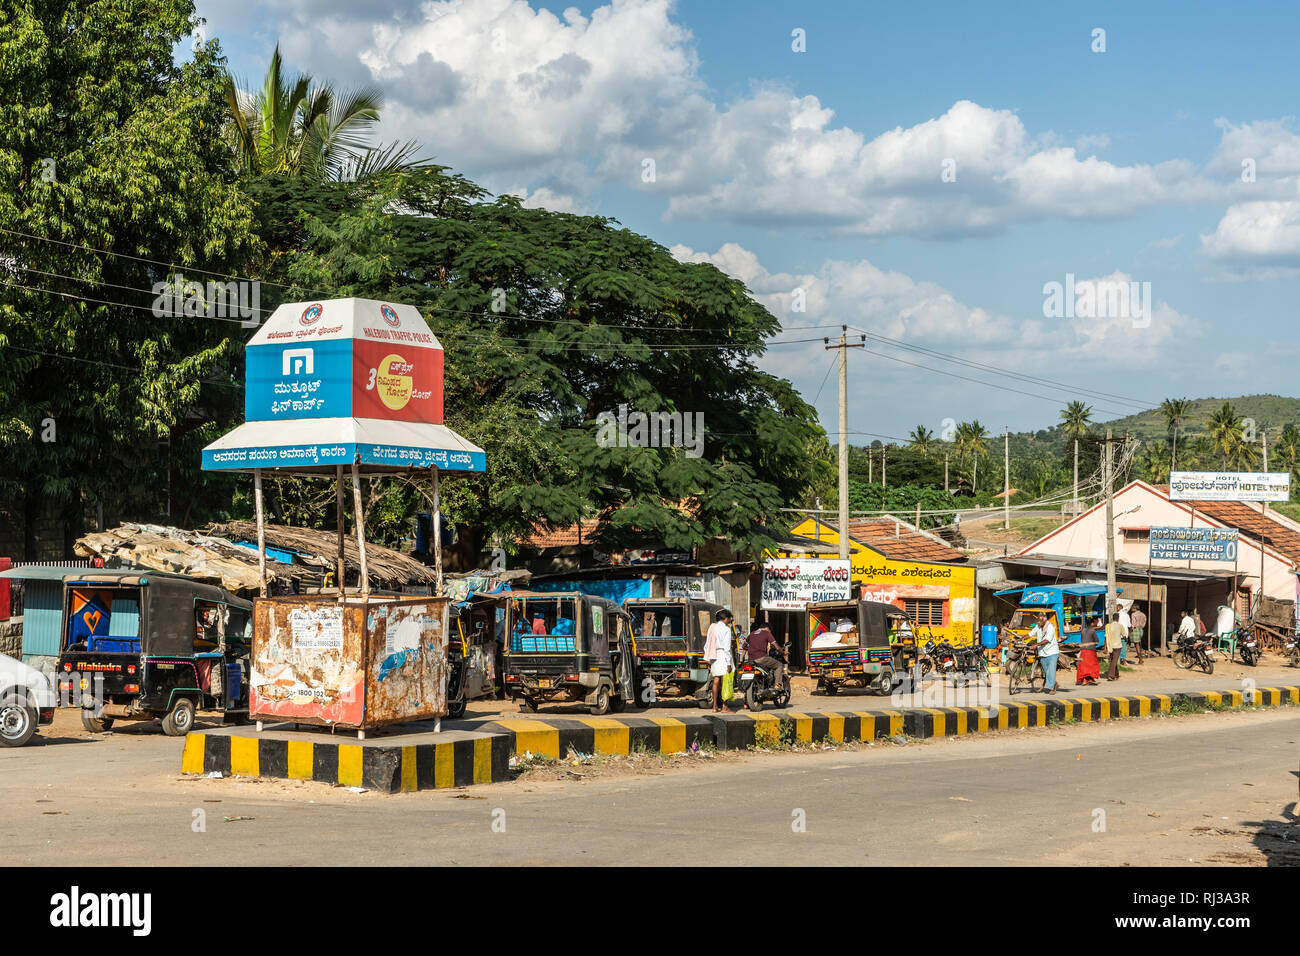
[670, 635]
[849, 644]
[140, 645]
[568, 646]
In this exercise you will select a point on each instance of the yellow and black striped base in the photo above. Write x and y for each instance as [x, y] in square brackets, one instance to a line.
[556, 736]
[423, 761]
[389, 768]
[740, 731]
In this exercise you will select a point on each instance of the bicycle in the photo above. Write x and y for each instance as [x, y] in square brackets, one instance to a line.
[1024, 669]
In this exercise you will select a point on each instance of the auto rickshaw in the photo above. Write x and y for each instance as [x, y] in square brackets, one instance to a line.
[140, 645]
[1069, 607]
[849, 644]
[568, 646]
[472, 650]
[670, 635]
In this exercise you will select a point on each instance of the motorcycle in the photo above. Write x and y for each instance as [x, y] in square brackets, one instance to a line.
[758, 682]
[1193, 651]
[1292, 649]
[973, 664]
[1247, 647]
[940, 658]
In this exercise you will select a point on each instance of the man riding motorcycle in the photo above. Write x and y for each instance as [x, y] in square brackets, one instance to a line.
[757, 647]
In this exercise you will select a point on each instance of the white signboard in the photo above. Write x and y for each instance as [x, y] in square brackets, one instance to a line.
[318, 629]
[683, 587]
[1229, 486]
[791, 583]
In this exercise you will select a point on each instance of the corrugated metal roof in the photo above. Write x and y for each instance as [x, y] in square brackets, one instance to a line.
[46, 573]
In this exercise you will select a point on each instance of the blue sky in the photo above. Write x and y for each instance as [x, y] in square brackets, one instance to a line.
[821, 170]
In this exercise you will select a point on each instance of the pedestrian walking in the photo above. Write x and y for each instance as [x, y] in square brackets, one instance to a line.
[1048, 649]
[717, 654]
[1114, 643]
[1088, 673]
[1139, 630]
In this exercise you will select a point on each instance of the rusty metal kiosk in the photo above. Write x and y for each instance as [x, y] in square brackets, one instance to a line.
[346, 383]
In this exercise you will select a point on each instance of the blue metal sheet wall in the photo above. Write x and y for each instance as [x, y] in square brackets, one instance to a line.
[42, 614]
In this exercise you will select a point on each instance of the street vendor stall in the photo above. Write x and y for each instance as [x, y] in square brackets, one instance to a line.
[356, 384]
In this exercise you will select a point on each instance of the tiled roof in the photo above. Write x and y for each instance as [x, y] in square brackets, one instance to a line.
[560, 537]
[901, 541]
[1253, 524]
[1250, 522]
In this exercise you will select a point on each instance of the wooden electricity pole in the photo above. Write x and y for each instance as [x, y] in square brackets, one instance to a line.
[844, 346]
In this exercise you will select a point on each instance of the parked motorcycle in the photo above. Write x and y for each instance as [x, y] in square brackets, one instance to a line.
[1292, 650]
[1247, 647]
[973, 664]
[758, 682]
[940, 658]
[1193, 651]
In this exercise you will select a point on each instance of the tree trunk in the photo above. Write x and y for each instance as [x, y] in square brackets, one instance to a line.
[31, 523]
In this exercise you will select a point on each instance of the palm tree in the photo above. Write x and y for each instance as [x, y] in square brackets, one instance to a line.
[1224, 429]
[1075, 421]
[972, 442]
[299, 128]
[1175, 412]
[922, 439]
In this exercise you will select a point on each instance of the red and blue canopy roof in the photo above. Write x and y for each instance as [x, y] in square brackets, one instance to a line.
[340, 381]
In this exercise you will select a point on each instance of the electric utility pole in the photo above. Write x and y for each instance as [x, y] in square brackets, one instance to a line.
[844, 346]
[1263, 509]
[1108, 481]
[1006, 478]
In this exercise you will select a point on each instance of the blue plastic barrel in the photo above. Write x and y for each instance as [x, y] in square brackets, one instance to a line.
[989, 635]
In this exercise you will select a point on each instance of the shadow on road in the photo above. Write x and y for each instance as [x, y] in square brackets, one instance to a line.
[1279, 840]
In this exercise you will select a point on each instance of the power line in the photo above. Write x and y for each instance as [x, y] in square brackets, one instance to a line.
[965, 378]
[1062, 386]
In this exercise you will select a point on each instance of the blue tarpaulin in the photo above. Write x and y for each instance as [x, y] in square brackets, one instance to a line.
[617, 590]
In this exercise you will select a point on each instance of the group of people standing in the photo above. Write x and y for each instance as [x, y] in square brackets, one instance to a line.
[1124, 625]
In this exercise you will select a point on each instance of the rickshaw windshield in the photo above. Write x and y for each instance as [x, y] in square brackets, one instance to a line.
[658, 622]
[104, 618]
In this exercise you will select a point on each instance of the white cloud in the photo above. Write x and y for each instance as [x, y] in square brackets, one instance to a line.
[1260, 234]
[895, 305]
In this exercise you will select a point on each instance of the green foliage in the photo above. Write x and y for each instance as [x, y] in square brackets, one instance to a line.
[902, 500]
[297, 127]
[591, 316]
[106, 143]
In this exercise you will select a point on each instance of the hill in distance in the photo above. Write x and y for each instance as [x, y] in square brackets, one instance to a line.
[1268, 411]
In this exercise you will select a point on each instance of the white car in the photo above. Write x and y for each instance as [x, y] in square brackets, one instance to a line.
[26, 700]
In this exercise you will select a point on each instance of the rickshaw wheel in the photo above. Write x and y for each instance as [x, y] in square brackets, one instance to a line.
[180, 719]
[456, 709]
[601, 706]
[96, 725]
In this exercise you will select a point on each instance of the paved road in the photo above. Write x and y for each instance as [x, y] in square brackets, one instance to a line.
[1203, 789]
[1154, 677]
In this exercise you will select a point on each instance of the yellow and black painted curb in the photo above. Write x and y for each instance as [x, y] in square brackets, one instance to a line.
[484, 756]
[556, 736]
[744, 730]
[480, 758]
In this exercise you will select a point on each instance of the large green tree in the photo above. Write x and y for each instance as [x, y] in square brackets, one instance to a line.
[110, 182]
[550, 321]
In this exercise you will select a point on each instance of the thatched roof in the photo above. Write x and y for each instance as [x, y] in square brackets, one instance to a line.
[214, 556]
[384, 566]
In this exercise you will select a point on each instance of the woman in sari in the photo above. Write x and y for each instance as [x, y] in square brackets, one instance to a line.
[1088, 673]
